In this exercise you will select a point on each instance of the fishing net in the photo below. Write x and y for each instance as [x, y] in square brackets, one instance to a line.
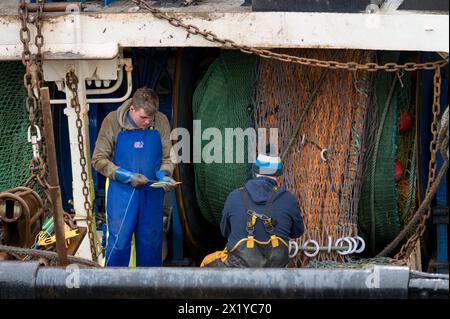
[15, 151]
[221, 101]
[355, 263]
[378, 213]
[406, 151]
[323, 168]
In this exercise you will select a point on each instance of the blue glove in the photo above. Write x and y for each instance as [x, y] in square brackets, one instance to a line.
[161, 175]
[122, 175]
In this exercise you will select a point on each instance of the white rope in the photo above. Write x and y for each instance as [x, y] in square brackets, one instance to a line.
[120, 228]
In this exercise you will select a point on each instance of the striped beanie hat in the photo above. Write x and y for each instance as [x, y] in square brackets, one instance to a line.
[268, 164]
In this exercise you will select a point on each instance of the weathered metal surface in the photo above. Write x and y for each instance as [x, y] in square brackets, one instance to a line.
[53, 180]
[57, 7]
[18, 279]
[73, 282]
[20, 209]
[428, 285]
[99, 35]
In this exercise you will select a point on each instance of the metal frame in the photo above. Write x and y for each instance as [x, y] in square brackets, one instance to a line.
[100, 35]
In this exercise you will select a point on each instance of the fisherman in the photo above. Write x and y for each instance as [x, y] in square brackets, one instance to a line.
[258, 220]
[133, 150]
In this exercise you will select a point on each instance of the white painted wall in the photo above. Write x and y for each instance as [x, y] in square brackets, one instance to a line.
[99, 35]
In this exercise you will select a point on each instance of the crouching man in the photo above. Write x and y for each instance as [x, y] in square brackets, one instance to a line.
[258, 220]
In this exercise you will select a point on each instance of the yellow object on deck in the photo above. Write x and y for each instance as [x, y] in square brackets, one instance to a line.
[69, 233]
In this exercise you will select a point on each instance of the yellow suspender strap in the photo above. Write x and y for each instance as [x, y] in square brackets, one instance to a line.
[250, 241]
[274, 240]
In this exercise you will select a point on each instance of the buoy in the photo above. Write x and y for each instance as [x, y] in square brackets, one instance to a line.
[398, 169]
[405, 120]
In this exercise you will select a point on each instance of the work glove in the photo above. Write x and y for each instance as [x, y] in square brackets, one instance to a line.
[125, 176]
[139, 180]
[169, 182]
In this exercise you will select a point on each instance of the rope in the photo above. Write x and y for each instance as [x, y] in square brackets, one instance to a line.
[305, 111]
[443, 136]
[424, 206]
[374, 159]
[120, 228]
[443, 147]
[46, 254]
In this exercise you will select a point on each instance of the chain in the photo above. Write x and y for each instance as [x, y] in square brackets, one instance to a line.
[352, 66]
[33, 79]
[72, 84]
[408, 247]
[267, 54]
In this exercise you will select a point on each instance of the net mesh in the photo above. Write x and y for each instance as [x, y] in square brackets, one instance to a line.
[406, 152]
[221, 101]
[15, 151]
[378, 213]
[354, 263]
[328, 186]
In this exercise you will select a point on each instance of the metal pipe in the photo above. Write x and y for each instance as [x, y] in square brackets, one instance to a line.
[129, 69]
[53, 180]
[28, 280]
[120, 99]
[57, 7]
[110, 89]
[188, 283]
[128, 64]
[18, 279]
[426, 288]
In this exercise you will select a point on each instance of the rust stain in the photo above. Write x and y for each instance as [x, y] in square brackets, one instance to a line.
[62, 55]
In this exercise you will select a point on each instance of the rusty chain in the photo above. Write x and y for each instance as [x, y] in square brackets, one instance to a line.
[351, 66]
[72, 84]
[32, 80]
[267, 54]
[408, 247]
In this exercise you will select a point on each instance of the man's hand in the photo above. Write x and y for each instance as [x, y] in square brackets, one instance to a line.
[169, 184]
[139, 180]
[135, 179]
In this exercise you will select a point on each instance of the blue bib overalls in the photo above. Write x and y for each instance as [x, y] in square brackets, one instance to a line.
[135, 211]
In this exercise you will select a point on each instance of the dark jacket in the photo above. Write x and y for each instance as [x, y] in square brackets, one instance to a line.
[285, 210]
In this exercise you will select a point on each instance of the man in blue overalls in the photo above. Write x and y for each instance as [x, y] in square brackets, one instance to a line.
[132, 149]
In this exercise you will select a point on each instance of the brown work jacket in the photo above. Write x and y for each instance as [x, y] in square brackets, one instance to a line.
[117, 121]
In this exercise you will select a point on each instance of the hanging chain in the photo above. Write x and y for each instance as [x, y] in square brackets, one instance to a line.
[33, 79]
[72, 84]
[267, 54]
[408, 247]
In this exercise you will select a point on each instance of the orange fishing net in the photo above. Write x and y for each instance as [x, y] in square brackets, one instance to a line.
[323, 168]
